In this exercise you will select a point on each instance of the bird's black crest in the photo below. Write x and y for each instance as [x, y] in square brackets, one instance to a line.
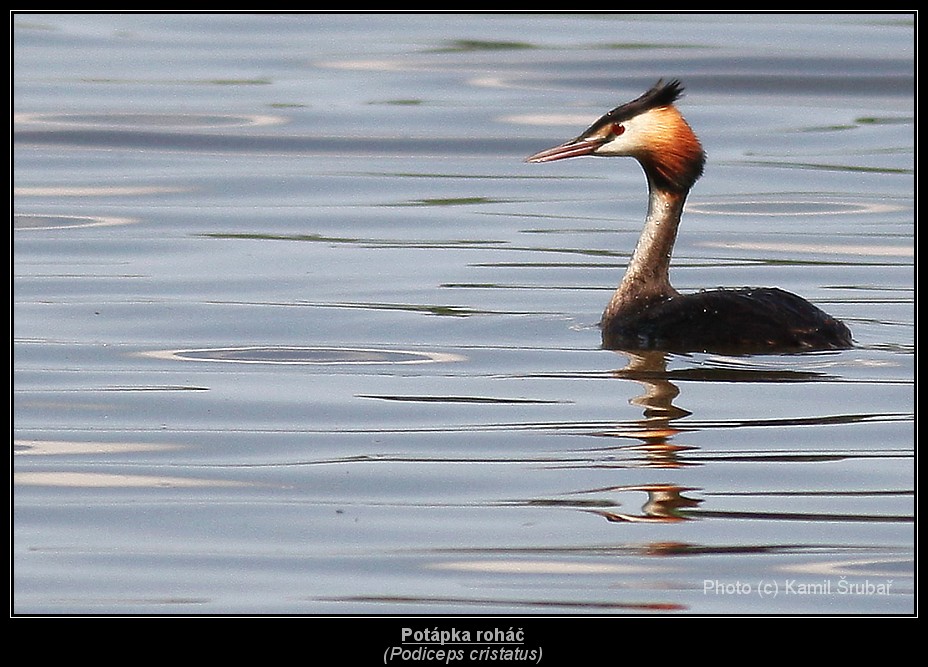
[660, 95]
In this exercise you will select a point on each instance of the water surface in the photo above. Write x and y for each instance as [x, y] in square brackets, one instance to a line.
[295, 330]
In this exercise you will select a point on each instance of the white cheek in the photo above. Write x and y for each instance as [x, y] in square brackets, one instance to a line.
[632, 141]
[626, 144]
[618, 146]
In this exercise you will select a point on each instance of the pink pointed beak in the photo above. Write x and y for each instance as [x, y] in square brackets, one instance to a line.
[572, 148]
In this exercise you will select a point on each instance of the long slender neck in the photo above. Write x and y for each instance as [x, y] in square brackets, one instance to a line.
[648, 275]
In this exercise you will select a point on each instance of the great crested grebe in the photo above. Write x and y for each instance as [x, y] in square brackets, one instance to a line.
[646, 312]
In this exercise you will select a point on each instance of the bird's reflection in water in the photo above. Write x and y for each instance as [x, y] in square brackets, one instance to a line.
[656, 429]
[666, 503]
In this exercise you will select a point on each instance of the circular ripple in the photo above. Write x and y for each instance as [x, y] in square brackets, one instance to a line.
[147, 121]
[321, 356]
[26, 221]
[784, 207]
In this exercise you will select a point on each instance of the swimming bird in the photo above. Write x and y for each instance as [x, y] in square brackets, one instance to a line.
[645, 311]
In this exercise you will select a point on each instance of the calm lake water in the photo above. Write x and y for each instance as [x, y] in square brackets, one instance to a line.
[295, 330]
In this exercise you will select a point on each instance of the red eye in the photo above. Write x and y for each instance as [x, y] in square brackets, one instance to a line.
[618, 129]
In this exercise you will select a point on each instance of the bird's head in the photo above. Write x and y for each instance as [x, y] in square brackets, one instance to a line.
[650, 129]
